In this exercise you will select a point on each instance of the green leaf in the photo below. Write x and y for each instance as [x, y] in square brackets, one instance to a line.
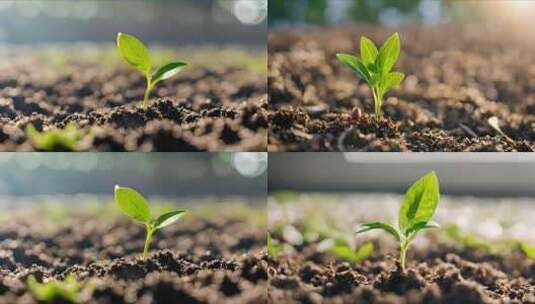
[420, 202]
[345, 252]
[134, 52]
[356, 65]
[167, 71]
[66, 291]
[364, 251]
[528, 249]
[422, 226]
[132, 204]
[379, 225]
[272, 249]
[391, 80]
[368, 51]
[431, 225]
[269, 245]
[388, 55]
[65, 139]
[168, 218]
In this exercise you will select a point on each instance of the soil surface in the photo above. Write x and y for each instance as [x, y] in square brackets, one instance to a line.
[437, 274]
[456, 78]
[472, 258]
[201, 109]
[196, 261]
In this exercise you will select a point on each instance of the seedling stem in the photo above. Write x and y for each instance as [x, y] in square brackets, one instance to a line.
[377, 104]
[417, 209]
[150, 232]
[147, 92]
[403, 253]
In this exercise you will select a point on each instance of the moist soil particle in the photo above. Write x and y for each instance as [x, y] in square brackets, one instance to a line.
[455, 80]
[438, 274]
[201, 109]
[205, 261]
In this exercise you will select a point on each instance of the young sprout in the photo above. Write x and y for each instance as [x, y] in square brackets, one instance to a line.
[272, 249]
[66, 139]
[374, 66]
[66, 291]
[416, 211]
[345, 252]
[134, 205]
[133, 51]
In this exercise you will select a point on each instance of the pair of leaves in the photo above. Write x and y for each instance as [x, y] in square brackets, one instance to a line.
[136, 53]
[65, 139]
[417, 209]
[375, 65]
[346, 252]
[66, 291]
[133, 204]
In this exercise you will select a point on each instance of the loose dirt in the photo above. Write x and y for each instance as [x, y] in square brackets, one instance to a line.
[456, 78]
[473, 258]
[202, 109]
[194, 261]
[438, 274]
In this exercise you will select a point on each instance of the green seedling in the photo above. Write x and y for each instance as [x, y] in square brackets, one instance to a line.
[374, 66]
[346, 252]
[415, 214]
[501, 246]
[273, 249]
[133, 51]
[66, 139]
[134, 205]
[66, 291]
[470, 240]
[528, 249]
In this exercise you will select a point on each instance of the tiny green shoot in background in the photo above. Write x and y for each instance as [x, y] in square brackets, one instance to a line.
[66, 139]
[134, 205]
[133, 51]
[374, 66]
[273, 249]
[66, 291]
[528, 249]
[417, 209]
[345, 252]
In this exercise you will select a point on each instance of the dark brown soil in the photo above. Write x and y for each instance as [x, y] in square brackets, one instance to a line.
[438, 274]
[202, 109]
[455, 80]
[196, 261]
